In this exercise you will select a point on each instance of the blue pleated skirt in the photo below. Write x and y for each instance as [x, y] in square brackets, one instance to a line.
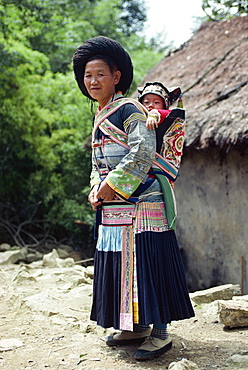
[162, 288]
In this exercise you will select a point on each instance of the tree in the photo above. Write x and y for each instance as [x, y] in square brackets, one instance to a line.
[217, 10]
[44, 164]
[57, 27]
[45, 121]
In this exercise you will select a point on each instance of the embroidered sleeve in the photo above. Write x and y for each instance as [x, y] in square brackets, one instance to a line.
[134, 166]
[94, 176]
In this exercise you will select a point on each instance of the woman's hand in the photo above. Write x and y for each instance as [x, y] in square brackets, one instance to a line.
[105, 192]
[93, 199]
[96, 197]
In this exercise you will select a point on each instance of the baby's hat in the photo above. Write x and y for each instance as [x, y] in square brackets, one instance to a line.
[159, 89]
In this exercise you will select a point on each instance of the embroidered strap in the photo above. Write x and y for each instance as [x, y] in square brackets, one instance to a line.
[163, 164]
[113, 107]
[120, 137]
[126, 304]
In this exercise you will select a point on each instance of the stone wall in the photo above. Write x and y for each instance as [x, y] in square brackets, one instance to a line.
[212, 200]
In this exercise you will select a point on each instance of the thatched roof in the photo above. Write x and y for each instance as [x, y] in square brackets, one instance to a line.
[212, 70]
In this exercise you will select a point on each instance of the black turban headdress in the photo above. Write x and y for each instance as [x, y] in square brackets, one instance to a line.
[103, 46]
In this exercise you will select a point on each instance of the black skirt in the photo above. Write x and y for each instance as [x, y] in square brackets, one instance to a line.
[162, 288]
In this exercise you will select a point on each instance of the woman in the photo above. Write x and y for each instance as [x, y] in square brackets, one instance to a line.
[138, 276]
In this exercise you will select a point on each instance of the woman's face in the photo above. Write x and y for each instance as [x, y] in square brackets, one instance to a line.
[100, 81]
[152, 101]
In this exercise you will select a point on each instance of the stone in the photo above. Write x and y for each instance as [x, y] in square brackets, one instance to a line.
[65, 322]
[92, 328]
[52, 259]
[68, 262]
[63, 253]
[211, 311]
[81, 280]
[238, 359]
[89, 271]
[233, 313]
[49, 259]
[241, 298]
[66, 248]
[35, 256]
[23, 275]
[41, 302]
[77, 256]
[5, 247]
[13, 256]
[224, 292]
[183, 365]
[9, 344]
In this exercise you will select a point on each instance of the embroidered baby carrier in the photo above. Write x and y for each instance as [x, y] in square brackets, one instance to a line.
[165, 167]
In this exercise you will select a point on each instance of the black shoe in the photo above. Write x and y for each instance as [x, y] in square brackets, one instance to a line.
[127, 337]
[152, 347]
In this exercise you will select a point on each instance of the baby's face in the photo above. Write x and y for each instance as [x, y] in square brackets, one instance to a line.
[152, 101]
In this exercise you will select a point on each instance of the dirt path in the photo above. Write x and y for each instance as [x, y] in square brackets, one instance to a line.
[44, 324]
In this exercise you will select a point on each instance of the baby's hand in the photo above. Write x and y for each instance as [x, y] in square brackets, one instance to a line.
[151, 123]
[152, 119]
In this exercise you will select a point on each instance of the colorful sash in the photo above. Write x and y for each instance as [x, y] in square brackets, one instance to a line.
[116, 213]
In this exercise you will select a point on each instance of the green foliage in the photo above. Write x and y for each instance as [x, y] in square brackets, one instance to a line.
[44, 125]
[45, 121]
[143, 61]
[217, 10]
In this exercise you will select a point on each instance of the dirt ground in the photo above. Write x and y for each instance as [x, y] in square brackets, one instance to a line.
[44, 324]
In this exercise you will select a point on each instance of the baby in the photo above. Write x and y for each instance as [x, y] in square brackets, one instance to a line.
[156, 98]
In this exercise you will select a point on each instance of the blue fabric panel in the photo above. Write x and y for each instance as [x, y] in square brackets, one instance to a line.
[109, 239]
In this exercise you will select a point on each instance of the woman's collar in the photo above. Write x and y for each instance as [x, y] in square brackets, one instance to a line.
[110, 99]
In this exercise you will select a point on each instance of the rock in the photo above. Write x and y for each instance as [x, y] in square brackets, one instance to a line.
[241, 298]
[238, 359]
[121, 354]
[77, 256]
[211, 311]
[224, 292]
[32, 257]
[66, 248]
[68, 262]
[13, 256]
[89, 272]
[52, 260]
[63, 253]
[66, 322]
[49, 259]
[80, 281]
[4, 247]
[233, 313]
[80, 269]
[36, 264]
[10, 344]
[92, 328]
[183, 365]
[42, 302]
[23, 275]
